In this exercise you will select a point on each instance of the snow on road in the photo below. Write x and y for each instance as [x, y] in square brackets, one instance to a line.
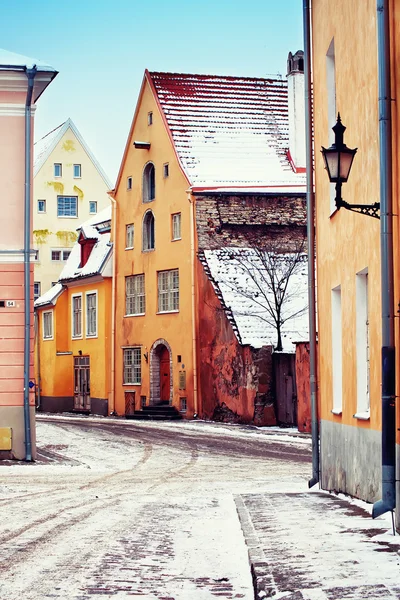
[104, 514]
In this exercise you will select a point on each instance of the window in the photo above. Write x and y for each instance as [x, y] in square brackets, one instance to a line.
[166, 170]
[362, 343]
[56, 255]
[129, 236]
[77, 316]
[65, 254]
[150, 118]
[91, 314]
[337, 352]
[183, 405]
[54, 283]
[77, 171]
[67, 206]
[92, 207]
[36, 290]
[148, 231]
[48, 325]
[135, 295]
[168, 290]
[41, 206]
[129, 183]
[176, 226]
[57, 169]
[132, 366]
[142, 401]
[149, 183]
[35, 254]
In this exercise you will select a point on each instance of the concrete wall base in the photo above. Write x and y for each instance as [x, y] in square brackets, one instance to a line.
[351, 460]
[13, 416]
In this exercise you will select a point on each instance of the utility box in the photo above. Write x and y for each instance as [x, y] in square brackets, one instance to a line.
[5, 438]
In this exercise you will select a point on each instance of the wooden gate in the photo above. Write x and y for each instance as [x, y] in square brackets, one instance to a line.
[130, 403]
[82, 383]
[285, 389]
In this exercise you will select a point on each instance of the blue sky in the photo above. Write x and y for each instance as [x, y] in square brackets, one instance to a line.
[101, 48]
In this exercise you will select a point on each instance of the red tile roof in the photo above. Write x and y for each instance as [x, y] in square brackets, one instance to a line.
[228, 131]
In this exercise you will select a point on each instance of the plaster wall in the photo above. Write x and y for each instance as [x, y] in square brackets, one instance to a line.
[170, 197]
[51, 232]
[13, 416]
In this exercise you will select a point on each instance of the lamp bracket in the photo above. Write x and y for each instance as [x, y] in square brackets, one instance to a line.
[371, 210]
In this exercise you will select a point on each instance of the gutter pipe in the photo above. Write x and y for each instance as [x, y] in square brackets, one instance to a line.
[111, 408]
[30, 73]
[388, 501]
[36, 321]
[194, 328]
[311, 244]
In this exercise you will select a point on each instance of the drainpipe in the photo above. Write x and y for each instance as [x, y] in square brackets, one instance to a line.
[111, 408]
[30, 73]
[388, 501]
[193, 274]
[36, 320]
[311, 244]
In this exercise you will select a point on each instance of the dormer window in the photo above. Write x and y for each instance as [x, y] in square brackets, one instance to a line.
[86, 248]
[148, 231]
[149, 183]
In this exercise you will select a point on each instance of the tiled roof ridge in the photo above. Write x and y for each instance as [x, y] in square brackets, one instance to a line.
[171, 74]
[50, 132]
[229, 314]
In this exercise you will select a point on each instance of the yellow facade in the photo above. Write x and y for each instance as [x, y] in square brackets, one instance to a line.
[52, 232]
[172, 330]
[56, 357]
[345, 80]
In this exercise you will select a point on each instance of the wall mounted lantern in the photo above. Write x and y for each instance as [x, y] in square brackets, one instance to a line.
[338, 160]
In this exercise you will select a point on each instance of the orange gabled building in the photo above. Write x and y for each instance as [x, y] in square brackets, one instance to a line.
[201, 149]
[73, 327]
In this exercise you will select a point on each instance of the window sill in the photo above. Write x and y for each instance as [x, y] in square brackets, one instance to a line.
[176, 239]
[129, 248]
[167, 312]
[77, 337]
[337, 411]
[148, 250]
[362, 416]
[91, 337]
[48, 339]
[136, 315]
[67, 216]
[132, 384]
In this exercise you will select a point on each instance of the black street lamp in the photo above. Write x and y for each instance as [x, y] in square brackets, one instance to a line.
[338, 161]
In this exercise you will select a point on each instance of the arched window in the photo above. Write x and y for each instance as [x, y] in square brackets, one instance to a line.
[148, 231]
[149, 183]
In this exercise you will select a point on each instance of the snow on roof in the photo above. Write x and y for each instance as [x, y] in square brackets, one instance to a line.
[50, 297]
[45, 146]
[101, 217]
[237, 275]
[96, 261]
[11, 59]
[228, 131]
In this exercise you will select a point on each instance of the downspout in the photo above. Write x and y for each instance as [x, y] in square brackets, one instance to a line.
[194, 329]
[311, 243]
[36, 319]
[388, 501]
[30, 73]
[111, 408]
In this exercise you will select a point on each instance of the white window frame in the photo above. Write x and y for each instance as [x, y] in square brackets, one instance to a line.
[75, 216]
[41, 212]
[176, 224]
[50, 336]
[59, 250]
[80, 171]
[337, 351]
[55, 168]
[147, 195]
[166, 298]
[94, 202]
[146, 231]
[73, 334]
[129, 236]
[136, 354]
[136, 298]
[63, 258]
[363, 345]
[95, 294]
[36, 296]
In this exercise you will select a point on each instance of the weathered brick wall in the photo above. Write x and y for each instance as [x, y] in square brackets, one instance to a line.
[242, 220]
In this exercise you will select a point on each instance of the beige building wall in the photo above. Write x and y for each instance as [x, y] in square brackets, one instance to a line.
[53, 234]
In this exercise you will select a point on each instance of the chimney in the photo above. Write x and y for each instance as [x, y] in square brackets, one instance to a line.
[297, 130]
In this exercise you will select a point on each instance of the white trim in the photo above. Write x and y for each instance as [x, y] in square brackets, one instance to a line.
[362, 416]
[76, 337]
[14, 110]
[92, 336]
[336, 411]
[46, 312]
[16, 256]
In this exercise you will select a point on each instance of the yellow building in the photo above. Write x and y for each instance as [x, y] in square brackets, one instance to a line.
[73, 335]
[69, 187]
[345, 80]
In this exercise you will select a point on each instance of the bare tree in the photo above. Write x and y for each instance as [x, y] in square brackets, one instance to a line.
[270, 280]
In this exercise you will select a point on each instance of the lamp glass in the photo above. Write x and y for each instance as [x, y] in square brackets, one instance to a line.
[346, 160]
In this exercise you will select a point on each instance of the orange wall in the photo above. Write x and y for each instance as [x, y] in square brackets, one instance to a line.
[348, 242]
[170, 198]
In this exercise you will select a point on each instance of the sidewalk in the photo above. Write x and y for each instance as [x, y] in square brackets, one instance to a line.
[315, 546]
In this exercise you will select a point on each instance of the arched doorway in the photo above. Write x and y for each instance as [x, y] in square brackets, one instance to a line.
[160, 372]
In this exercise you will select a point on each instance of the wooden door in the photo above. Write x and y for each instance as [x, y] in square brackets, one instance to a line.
[164, 376]
[285, 389]
[82, 383]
